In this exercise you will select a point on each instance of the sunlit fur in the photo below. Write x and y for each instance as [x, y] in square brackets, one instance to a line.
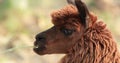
[91, 44]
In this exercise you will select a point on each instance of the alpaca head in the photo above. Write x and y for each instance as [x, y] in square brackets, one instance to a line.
[69, 25]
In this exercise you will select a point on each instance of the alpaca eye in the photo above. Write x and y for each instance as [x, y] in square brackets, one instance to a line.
[67, 32]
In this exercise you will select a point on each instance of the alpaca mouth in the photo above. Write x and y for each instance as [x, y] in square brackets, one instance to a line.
[39, 48]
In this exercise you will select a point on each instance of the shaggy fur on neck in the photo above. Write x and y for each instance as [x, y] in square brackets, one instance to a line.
[96, 44]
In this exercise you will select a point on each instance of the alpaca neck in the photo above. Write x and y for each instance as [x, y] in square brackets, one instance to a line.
[95, 46]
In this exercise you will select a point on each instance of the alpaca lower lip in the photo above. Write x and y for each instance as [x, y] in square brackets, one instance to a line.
[36, 46]
[39, 49]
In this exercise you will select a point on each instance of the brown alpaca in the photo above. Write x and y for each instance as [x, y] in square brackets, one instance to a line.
[78, 34]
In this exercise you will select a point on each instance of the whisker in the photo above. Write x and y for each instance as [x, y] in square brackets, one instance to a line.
[16, 48]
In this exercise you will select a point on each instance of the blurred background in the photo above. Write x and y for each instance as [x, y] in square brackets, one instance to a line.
[21, 20]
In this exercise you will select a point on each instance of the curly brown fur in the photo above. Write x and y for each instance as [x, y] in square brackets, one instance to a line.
[59, 17]
[95, 46]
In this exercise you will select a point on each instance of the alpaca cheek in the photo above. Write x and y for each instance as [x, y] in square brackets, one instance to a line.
[58, 46]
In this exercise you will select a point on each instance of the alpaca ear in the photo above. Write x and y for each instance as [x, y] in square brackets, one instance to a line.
[71, 2]
[83, 11]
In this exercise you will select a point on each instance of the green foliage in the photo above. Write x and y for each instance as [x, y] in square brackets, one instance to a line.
[4, 7]
[34, 4]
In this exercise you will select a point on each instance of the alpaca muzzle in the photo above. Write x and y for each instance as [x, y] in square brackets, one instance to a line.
[39, 44]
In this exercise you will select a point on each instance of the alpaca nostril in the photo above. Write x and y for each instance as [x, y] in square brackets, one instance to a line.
[40, 38]
[40, 41]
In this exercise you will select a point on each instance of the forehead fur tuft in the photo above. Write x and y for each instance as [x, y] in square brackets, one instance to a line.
[60, 16]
